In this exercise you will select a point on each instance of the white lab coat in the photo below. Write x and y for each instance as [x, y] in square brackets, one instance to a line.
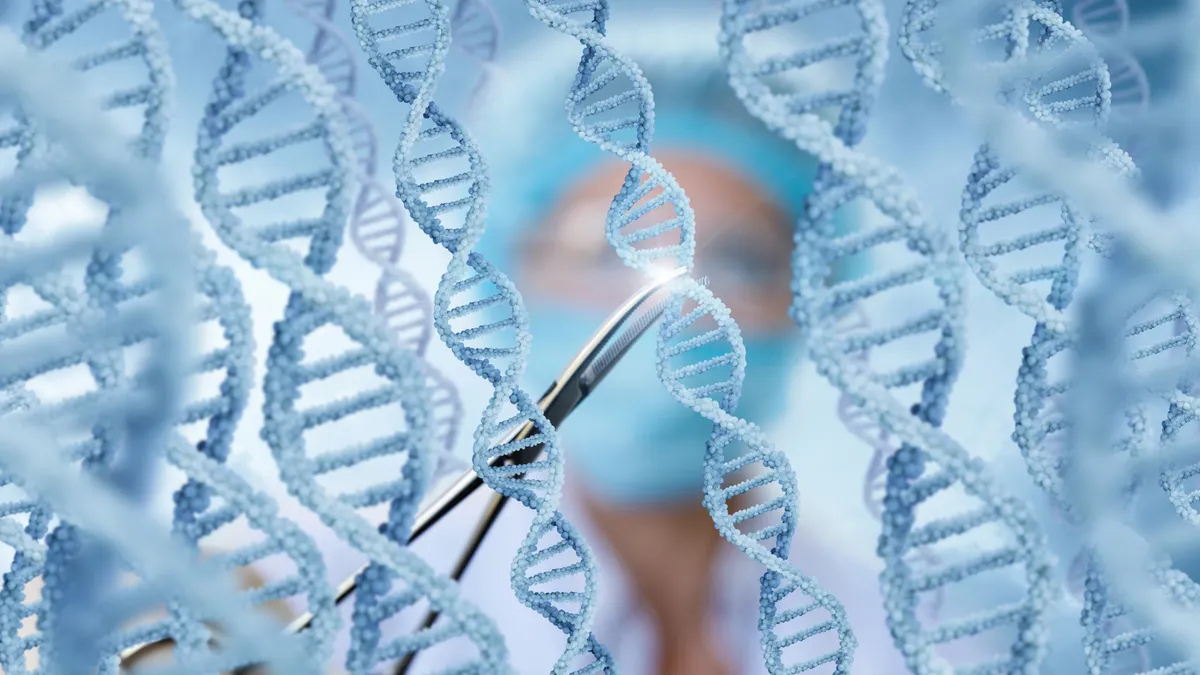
[534, 644]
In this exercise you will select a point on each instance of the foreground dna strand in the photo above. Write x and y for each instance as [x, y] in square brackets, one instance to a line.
[142, 52]
[1101, 476]
[1182, 410]
[650, 223]
[377, 225]
[241, 126]
[441, 178]
[912, 479]
[1051, 99]
[90, 322]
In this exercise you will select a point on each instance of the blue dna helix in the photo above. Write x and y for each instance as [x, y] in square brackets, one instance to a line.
[610, 105]
[228, 138]
[440, 175]
[378, 223]
[928, 462]
[1107, 383]
[868, 429]
[1064, 88]
[116, 426]
[214, 418]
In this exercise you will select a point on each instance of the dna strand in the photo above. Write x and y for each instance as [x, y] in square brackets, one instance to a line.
[93, 329]
[1107, 622]
[1108, 20]
[1101, 17]
[610, 106]
[1181, 410]
[440, 176]
[195, 517]
[476, 31]
[1015, 267]
[229, 137]
[1099, 345]
[868, 430]
[377, 225]
[928, 462]
[862, 426]
[222, 304]
[48, 29]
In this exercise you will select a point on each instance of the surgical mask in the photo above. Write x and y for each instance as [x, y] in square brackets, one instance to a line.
[630, 442]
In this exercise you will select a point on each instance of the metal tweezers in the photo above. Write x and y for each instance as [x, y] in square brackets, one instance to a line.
[581, 376]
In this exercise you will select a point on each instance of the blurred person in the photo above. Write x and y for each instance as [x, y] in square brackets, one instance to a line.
[674, 597]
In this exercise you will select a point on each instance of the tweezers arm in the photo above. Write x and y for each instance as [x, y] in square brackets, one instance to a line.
[464, 487]
[427, 517]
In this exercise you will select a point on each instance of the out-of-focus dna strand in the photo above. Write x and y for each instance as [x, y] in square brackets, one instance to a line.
[1101, 17]
[1120, 615]
[1067, 77]
[868, 429]
[91, 314]
[264, 83]
[211, 418]
[1183, 409]
[913, 478]
[440, 176]
[1079, 83]
[476, 32]
[651, 224]
[864, 427]
[377, 225]
[54, 29]
[1017, 265]
[1108, 21]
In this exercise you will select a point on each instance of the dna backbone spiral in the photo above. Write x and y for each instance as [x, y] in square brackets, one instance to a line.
[597, 107]
[229, 137]
[1126, 571]
[1064, 89]
[441, 178]
[868, 430]
[377, 221]
[114, 427]
[211, 419]
[928, 462]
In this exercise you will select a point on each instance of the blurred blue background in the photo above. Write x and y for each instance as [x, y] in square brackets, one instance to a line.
[913, 128]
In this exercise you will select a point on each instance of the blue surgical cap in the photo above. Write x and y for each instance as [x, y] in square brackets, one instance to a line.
[534, 155]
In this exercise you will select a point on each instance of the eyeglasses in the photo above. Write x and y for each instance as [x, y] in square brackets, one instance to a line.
[751, 273]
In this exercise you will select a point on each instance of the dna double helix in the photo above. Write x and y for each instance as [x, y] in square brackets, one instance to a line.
[1101, 17]
[212, 419]
[1111, 630]
[864, 427]
[116, 425]
[1108, 20]
[928, 462]
[377, 224]
[1064, 85]
[650, 223]
[263, 80]
[48, 30]
[868, 430]
[476, 31]
[441, 178]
